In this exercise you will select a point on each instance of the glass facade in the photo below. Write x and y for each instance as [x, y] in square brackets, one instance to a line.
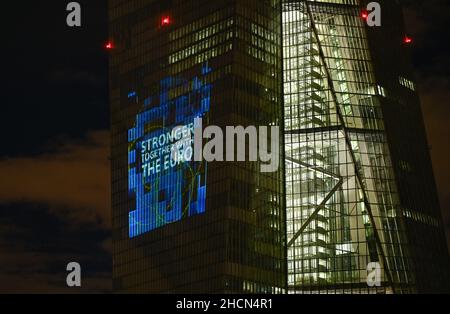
[348, 193]
[345, 207]
[186, 227]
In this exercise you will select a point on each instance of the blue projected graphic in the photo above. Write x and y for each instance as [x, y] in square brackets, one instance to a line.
[164, 180]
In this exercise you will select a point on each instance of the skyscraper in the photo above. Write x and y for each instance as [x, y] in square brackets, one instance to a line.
[355, 192]
[360, 188]
[194, 226]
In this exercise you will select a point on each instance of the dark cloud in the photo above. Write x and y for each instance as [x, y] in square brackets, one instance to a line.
[74, 177]
[36, 244]
[55, 206]
[55, 209]
[54, 195]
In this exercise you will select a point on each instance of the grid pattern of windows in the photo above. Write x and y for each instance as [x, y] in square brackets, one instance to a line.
[235, 242]
[344, 197]
[342, 205]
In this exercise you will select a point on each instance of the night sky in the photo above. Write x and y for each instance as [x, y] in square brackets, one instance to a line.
[54, 153]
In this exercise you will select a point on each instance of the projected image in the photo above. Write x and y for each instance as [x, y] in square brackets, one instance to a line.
[164, 180]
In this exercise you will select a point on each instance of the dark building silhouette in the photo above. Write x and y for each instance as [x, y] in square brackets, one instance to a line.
[354, 190]
[409, 151]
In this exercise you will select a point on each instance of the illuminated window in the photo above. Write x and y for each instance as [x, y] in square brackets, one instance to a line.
[381, 91]
[407, 83]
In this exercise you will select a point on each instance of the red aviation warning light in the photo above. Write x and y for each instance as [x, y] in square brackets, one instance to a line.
[166, 20]
[109, 45]
[407, 40]
[364, 15]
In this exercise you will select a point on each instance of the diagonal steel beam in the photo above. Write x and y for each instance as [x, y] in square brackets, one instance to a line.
[348, 143]
[318, 169]
[316, 211]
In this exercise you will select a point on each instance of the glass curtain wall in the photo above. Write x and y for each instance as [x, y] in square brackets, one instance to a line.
[342, 205]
